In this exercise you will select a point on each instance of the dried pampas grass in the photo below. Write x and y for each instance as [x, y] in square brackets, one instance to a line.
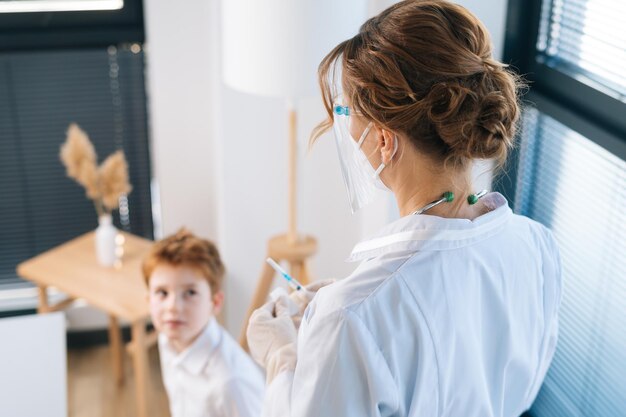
[79, 158]
[114, 179]
[105, 184]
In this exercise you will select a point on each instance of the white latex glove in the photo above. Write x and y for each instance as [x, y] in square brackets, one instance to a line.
[272, 336]
[304, 296]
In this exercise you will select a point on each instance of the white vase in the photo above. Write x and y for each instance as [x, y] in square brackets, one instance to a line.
[105, 240]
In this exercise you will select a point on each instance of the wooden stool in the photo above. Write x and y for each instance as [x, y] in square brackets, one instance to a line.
[280, 249]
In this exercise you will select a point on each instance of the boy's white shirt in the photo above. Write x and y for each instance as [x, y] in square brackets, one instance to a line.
[212, 377]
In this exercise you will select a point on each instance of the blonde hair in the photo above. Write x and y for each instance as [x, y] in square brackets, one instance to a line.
[425, 69]
[185, 249]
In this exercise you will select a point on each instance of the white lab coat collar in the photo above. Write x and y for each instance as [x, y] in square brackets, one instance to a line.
[195, 357]
[425, 232]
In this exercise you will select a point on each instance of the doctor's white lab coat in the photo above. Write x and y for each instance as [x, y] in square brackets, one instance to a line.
[443, 317]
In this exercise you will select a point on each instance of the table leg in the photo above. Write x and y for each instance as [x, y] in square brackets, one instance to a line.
[43, 299]
[117, 354]
[140, 364]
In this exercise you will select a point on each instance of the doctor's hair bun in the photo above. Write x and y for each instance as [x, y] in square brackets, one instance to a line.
[476, 116]
[424, 69]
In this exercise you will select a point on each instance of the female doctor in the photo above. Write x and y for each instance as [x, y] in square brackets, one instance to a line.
[453, 308]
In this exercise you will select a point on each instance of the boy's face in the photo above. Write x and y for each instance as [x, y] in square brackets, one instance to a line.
[181, 303]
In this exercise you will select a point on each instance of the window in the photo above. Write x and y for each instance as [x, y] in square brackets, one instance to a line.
[577, 188]
[570, 174]
[100, 87]
[585, 39]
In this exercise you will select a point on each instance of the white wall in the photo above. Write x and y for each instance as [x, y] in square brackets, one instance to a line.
[220, 159]
[180, 53]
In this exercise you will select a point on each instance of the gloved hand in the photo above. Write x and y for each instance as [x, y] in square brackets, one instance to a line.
[272, 336]
[303, 297]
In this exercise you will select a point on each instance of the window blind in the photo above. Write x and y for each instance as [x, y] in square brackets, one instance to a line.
[585, 39]
[578, 189]
[41, 93]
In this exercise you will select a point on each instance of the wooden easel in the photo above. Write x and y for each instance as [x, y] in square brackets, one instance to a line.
[289, 247]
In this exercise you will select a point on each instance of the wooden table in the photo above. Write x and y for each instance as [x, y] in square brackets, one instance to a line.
[119, 291]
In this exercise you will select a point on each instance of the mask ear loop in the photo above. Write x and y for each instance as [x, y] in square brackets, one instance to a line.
[382, 165]
[364, 135]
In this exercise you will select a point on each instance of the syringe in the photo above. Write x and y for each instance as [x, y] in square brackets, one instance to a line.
[292, 282]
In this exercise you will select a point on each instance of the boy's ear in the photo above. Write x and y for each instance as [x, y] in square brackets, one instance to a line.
[218, 302]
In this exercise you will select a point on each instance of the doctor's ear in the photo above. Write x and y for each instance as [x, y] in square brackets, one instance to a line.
[387, 144]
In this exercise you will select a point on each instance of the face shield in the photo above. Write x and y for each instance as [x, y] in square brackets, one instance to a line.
[357, 180]
[362, 182]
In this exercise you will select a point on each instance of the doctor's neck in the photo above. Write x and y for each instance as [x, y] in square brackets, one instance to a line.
[418, 180]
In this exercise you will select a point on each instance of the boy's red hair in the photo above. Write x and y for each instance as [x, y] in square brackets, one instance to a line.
[185, 249]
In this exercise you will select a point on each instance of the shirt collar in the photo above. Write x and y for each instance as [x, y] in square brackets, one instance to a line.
[194, 358]
[425, 232]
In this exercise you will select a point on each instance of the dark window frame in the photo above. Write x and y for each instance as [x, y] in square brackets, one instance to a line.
[573, 102]
[48, 30]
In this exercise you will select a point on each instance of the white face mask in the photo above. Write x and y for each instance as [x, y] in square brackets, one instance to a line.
[360, 178]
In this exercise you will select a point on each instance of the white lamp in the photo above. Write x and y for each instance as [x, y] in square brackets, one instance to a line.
[272, 48]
